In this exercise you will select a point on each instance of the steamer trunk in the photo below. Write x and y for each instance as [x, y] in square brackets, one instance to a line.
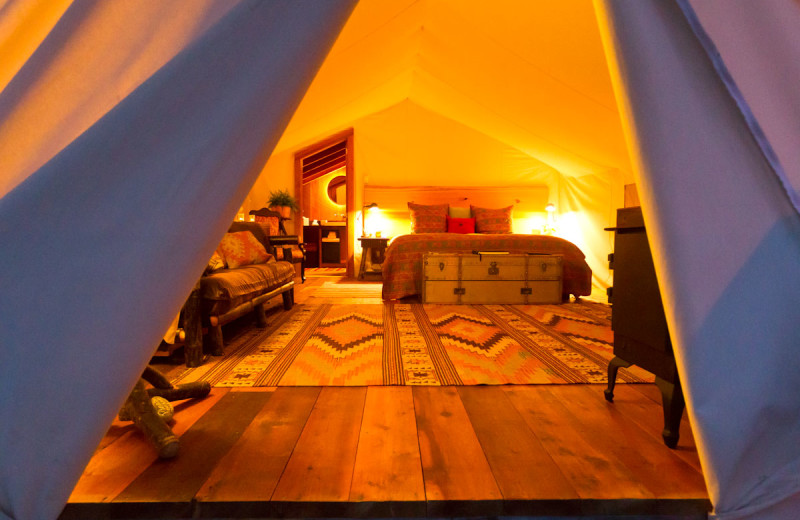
[491, 278]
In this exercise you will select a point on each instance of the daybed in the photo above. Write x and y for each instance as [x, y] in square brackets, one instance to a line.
[402, 266]
[249, 277]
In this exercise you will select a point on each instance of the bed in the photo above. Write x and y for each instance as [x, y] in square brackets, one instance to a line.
[402, 267]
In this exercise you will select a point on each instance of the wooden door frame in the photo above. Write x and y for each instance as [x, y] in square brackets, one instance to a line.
[350, 187]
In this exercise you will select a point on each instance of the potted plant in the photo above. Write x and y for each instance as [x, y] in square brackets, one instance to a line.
[283, 202]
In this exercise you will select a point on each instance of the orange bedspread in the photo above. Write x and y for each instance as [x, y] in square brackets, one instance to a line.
[402, 268]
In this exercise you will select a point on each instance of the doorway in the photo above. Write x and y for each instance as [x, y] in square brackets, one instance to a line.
[325, 192]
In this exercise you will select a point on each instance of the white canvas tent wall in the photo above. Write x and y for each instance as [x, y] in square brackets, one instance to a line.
[120, 171]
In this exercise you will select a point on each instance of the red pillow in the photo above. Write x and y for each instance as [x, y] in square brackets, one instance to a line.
[460, 225]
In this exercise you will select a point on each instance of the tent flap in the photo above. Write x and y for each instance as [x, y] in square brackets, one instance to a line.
[105, 238]
[716, 215]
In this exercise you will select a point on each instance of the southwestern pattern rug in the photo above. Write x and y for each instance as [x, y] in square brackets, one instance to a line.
[423, 344]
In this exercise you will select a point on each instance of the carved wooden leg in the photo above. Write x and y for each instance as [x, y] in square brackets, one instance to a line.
[288, 299]
[139, 408]
[155, 378]
[672, 400]
[261, 318]
[193, 390]
[613, 366]
[214, 339]
[193, 348]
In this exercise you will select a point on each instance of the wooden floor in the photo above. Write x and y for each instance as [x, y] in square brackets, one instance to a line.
[544, 450]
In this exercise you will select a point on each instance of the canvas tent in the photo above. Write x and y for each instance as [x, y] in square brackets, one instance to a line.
[131, 131]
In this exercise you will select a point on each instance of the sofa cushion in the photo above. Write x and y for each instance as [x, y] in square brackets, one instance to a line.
[226, 289]
[215, 263]
[241, 249]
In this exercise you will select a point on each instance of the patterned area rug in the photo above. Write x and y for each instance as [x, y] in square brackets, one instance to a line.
[423, 344]
[347, 290]
[325, 271]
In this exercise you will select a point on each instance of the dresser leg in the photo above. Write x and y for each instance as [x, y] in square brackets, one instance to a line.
[613, 366]
[672, 400]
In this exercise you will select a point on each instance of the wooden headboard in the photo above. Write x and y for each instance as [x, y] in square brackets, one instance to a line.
[528, 201]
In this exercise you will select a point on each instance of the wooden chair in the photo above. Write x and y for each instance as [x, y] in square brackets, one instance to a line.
[284, 246]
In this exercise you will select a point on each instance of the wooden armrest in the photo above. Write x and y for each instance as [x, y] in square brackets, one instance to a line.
[284, 240]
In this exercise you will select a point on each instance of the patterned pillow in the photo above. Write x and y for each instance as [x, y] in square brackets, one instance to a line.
[215, 263]
[242, 248]
[492, 220]
[428, 218]
[271, 227]
[460, 225]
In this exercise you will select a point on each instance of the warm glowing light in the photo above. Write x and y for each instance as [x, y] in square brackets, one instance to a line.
[373, 211]
[550, 227]
[530, 224]
[569, 228]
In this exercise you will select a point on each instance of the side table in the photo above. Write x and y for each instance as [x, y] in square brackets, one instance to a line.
[373, 250]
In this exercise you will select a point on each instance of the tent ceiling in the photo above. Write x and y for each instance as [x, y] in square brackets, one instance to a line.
[530, 75]
[461, 152]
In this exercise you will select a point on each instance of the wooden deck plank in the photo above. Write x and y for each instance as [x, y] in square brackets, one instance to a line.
[202, 446]
[649, 414]
[521, 466]
[388, 469]
[653, 393]
[118, 464]
[593, 473]
[663, 472]
[320, 469]
[458, 479]
[250, 471]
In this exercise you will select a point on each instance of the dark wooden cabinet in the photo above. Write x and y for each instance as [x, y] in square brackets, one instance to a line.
[326, 245]
[311, 235]
[640, 329]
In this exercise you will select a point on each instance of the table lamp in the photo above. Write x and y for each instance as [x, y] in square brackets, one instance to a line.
[368, 207]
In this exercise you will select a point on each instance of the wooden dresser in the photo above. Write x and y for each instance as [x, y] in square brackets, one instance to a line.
[640, 329]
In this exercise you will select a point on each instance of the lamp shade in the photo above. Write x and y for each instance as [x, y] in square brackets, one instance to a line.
[367, 207]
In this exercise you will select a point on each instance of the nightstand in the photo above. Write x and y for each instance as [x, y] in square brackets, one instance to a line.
[373, 250]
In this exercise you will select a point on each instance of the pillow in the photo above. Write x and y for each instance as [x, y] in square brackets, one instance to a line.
[460, 225]
[456, 212]
[492, 220]
[428, 218]
[271, 225]
[242, 248]
[215, 263]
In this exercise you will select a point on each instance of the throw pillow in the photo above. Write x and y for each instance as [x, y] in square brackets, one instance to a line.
[215, 263]
[271, 225]
[492, 220]
[456, 212]
[460, 225]
[428, 218]
[242, 248]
